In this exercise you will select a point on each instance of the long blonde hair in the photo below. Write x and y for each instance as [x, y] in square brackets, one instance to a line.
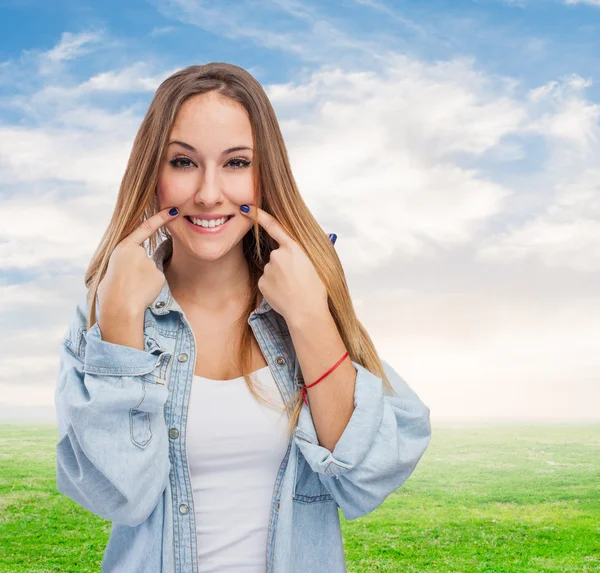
[276, 193]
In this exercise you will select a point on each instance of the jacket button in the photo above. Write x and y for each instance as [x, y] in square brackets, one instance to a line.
[280, 360]
[173, 433]
[182, 357]
[183, 508]
[159, 304]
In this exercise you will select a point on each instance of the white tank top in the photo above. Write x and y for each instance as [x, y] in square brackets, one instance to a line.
[235, 446]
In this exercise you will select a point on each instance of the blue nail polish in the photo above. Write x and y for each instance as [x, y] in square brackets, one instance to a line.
[245, 209]
[173, 211]
[332, 238]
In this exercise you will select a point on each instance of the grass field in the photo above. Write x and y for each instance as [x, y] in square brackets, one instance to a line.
[522, 499]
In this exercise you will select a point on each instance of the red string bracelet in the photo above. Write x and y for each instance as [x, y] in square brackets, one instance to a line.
[326, 373]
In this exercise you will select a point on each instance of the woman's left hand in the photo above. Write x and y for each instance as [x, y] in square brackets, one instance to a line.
[289, 282]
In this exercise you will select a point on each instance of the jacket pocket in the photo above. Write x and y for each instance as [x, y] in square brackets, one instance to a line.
[308, 487]
[139, 423]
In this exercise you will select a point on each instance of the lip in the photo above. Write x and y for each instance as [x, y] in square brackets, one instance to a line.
[209, 216]
[207, 230]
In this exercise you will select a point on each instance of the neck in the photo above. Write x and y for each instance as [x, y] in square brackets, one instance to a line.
[214, 286]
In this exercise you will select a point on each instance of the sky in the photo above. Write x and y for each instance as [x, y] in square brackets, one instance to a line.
[451, 146]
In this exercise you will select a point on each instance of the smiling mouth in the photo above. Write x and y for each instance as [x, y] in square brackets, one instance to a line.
[208, 226]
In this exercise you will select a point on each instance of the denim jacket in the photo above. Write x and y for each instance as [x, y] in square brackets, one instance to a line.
[121, 450]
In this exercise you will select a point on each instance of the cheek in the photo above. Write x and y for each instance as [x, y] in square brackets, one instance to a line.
[160, 197]
[243, 192]
[168, 193]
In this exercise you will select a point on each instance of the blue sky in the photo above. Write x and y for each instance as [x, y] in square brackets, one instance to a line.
[452, 146]
[531, 40]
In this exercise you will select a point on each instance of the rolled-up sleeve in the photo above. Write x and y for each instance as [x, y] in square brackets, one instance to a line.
[112, 454]
[380, 447]
[102, 357]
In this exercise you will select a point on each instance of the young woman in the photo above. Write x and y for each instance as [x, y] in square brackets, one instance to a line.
[219, 400]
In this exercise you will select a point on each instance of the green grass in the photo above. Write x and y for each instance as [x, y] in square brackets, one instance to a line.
[519, 499]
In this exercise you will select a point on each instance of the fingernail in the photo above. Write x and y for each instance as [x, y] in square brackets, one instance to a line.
[332, 238]
[173, 211]
[245, 209]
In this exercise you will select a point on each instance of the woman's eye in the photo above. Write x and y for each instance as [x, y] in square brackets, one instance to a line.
[186, 163]
[176, 163]
[240, 162]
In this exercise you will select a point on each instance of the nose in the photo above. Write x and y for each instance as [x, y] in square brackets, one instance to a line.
[209, 187]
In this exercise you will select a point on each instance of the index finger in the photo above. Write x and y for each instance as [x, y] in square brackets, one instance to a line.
[271, 225]
[150, 226]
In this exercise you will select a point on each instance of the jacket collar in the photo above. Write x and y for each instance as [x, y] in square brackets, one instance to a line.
[165, 302]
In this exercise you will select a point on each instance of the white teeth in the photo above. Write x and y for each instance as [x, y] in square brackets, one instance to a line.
[211, 223]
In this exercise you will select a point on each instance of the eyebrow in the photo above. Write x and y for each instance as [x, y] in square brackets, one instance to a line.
[226, 152]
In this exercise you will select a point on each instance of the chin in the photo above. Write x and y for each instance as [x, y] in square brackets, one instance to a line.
[203, 252]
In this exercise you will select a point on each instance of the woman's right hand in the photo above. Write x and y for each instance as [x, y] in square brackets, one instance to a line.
[132, 280]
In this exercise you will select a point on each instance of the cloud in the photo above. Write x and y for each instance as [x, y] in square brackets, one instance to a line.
[162, 31]
[565, 231]
[571, 116]
[572, 243]
[70, 47]
[378, 153]
[285, 26]
[62, 94]
[590, 2]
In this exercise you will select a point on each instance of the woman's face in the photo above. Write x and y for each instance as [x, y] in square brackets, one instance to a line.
[202, 175]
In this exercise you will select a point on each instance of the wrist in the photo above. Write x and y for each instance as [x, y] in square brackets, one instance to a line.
[126, 329]
[120, 313]
[305, 317]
